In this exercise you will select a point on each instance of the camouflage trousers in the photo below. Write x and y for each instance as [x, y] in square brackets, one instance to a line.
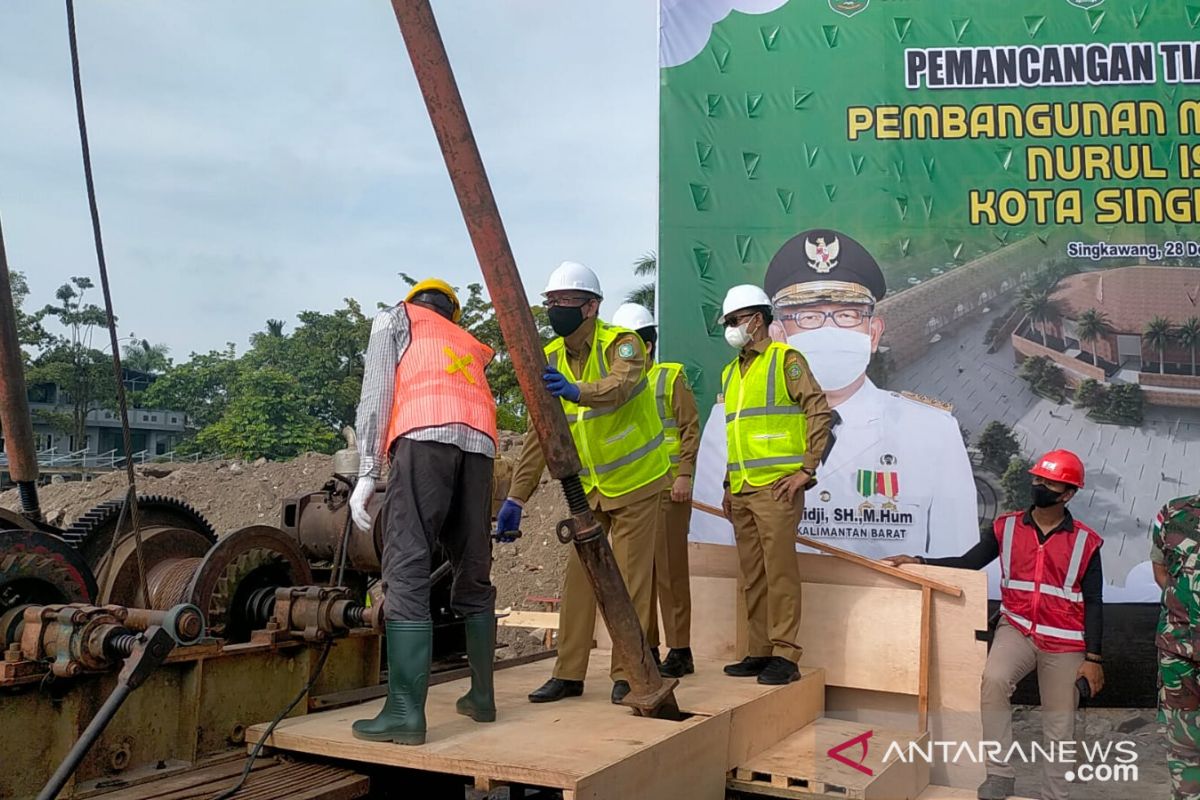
[1179, 710]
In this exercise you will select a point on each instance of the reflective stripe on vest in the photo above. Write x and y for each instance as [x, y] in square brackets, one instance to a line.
[766, 433]
[1044, 630]
[620, 448]
[663, 376]
[440, 379]
[1052, 613]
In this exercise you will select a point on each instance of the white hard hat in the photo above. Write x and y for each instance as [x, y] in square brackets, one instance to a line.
[745, 295]
[573, 276]
[633, 317]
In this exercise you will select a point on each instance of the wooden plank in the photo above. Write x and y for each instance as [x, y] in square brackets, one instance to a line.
[923, 667]
[528, 619]
[863, 637]
[560, 744]
[687, 766]
[937, 792]
[755, 727]
[855, 558]
[800, 764]
[956, 656]
[269, 779]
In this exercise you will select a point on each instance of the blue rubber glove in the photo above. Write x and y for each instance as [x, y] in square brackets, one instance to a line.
[558, 385]
[508, 521]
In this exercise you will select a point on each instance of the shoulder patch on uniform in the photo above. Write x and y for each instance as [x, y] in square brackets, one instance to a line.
[626, 350]
[793, 370]
[928, 401]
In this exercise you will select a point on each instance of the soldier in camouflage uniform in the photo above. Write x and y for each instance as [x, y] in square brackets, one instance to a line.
[1176, 557]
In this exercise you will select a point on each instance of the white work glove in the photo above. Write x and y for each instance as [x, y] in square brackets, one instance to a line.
[364, 491]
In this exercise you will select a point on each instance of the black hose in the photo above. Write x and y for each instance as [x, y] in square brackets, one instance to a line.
[225, 795]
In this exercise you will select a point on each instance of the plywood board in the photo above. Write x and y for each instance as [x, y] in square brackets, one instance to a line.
[864, 637]
[800, 765]
[936, 792]
[756, 727]
[528, 619]
[559, 745]
[956, 657]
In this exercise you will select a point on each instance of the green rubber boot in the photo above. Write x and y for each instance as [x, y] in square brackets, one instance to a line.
[480, 702]
[402, 720]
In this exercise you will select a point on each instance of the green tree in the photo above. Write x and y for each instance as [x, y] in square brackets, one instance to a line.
[1017, 484]
[1159, 335]
[1188, 335]
[997, 444]
[200, 387]
[268, 416]
[1125, 404]
[1040, 309]
[145, 357]
[646, 264]
[1090, 394]
[30, 332]
[82, 373]
[325, 354]
[1091, 326]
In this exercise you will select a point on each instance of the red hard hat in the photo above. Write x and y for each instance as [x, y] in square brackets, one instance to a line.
[1061, 466]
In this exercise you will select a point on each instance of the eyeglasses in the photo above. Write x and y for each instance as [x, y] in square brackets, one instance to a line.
[566, 302]
[734, 320]
[843, 318]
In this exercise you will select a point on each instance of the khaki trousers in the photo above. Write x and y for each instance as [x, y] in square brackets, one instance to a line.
[768, 575]
[632, 531]
[1012, 657]
[671, 577]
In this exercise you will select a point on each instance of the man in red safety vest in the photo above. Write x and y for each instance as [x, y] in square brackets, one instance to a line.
[1051, 616]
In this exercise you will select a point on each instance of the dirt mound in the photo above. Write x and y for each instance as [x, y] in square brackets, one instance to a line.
[234, 494]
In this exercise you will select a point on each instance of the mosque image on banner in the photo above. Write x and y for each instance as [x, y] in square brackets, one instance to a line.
[1000, 201]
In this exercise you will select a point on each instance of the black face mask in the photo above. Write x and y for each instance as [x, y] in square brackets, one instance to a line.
[565, 320]
[1044, 496]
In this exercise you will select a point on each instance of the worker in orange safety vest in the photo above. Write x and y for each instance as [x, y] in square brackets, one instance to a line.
[426, 408]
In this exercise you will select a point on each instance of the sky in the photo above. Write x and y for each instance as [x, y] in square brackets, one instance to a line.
[254, 160]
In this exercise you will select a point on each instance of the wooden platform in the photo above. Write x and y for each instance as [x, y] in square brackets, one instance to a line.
[270, 779]
[800, 766]
[585, 746]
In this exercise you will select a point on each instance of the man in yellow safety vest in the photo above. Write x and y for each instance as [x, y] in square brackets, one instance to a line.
[681, 426]
[598, 371]
[777, 424]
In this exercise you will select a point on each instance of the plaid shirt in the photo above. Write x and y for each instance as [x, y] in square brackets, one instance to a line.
[390, 335]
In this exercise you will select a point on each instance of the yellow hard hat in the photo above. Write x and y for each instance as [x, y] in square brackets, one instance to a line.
[437, 285]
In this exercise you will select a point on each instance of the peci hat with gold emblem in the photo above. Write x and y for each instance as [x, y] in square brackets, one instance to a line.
[823, 266]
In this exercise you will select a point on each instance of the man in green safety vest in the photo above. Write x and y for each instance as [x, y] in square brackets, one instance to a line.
[681, 426]
[777, 425]
[598, 371]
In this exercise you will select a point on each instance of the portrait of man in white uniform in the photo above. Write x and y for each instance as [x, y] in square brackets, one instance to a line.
[897, 478]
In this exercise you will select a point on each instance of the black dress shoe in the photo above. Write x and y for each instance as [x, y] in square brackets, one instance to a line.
[657, 657]
[620, 689]
[679, 663]
[556, 689]
[779, 672]
[748, 667]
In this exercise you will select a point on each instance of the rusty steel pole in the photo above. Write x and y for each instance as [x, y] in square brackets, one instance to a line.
[15, 421]
[650, 694]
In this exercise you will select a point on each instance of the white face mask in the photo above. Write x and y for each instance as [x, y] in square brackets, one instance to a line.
[738, 337]
[837, 356]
